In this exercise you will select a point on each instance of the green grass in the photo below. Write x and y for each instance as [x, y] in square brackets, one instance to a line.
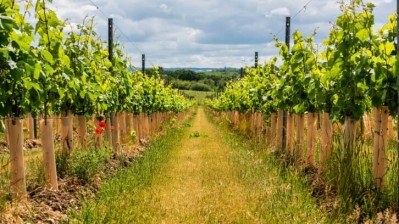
[286, 197]
[200, 96]
[120, 198]
[222, 178]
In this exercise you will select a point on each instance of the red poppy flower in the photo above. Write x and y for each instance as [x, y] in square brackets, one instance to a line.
[99, 131]
[102, 124]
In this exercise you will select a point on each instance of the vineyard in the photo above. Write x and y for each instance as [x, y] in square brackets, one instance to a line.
[311, 135]
[82, 97]
[339, 106]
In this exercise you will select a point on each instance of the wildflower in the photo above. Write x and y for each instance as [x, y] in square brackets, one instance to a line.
[99, 131]
[102, 124]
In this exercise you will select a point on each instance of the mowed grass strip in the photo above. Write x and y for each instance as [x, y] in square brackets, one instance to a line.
[275, 194]
[214, 176]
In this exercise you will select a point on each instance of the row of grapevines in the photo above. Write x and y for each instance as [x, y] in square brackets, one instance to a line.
[354, 73]
[44, 69]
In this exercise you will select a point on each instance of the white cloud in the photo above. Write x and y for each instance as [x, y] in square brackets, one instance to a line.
[165, 8]
[206, 33]
[278, 12]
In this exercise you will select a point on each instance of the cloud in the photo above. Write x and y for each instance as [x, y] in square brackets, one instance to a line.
[206, 33]
[279, 12]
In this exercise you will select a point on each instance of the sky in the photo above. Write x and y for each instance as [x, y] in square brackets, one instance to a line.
[207, 33]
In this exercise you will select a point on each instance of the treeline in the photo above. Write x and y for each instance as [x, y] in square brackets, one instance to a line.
[185, 79]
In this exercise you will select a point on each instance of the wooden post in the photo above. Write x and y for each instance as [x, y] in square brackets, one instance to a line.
[290, 134]
[326, 139]
[279, 129]
[136, 120]
[46, 126]
[115, 133]
[349, 133]
[108, 131]
[129, 125]
[82, 130]
[122, 126]
[146, 126]
[58, 124]
[236, 119]
[16, 140]
[99, 140]
[380, 146]
[311, 140]
[273, 131]
[300, 137]
[67, 132]
[368, 126]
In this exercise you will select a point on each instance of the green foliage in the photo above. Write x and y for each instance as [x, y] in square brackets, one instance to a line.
[200, 87]
[195, 134]
[355, 72]
[70, 71]
[348, 56]
[87, 164]
[214, 80]
[18, 69]
[133, 135]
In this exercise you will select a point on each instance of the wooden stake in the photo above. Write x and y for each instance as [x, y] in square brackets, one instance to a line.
[82, 130]
[290, 134]
[46, 126]
[236, 119]
[279, 130]
[129, 125]
[273, 131]
[380, 146]
[108, 130]
[136, 120]
[349, 133]
[326, 139]
[300, 137]
[311, 140]
[15, 136]
[115, 133]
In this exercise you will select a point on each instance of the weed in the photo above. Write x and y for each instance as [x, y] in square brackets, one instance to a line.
[195, 134]
[86, 164]
[187, 124]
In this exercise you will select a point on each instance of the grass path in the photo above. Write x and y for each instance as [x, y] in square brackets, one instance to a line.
[199, 184]
[217, 177]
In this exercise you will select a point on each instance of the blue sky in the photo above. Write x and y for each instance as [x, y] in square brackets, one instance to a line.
[207, 33]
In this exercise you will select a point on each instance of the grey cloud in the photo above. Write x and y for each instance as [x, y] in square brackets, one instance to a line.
[207, 32]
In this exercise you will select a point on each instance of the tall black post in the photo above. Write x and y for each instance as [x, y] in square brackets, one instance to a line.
[111, 57]
[241, 72]
[143, 63]
[287, 42]
[111, 41]
[256, 59]
[397, 82]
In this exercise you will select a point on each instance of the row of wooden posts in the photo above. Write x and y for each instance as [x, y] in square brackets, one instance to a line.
[377, 125]
[117, 133]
